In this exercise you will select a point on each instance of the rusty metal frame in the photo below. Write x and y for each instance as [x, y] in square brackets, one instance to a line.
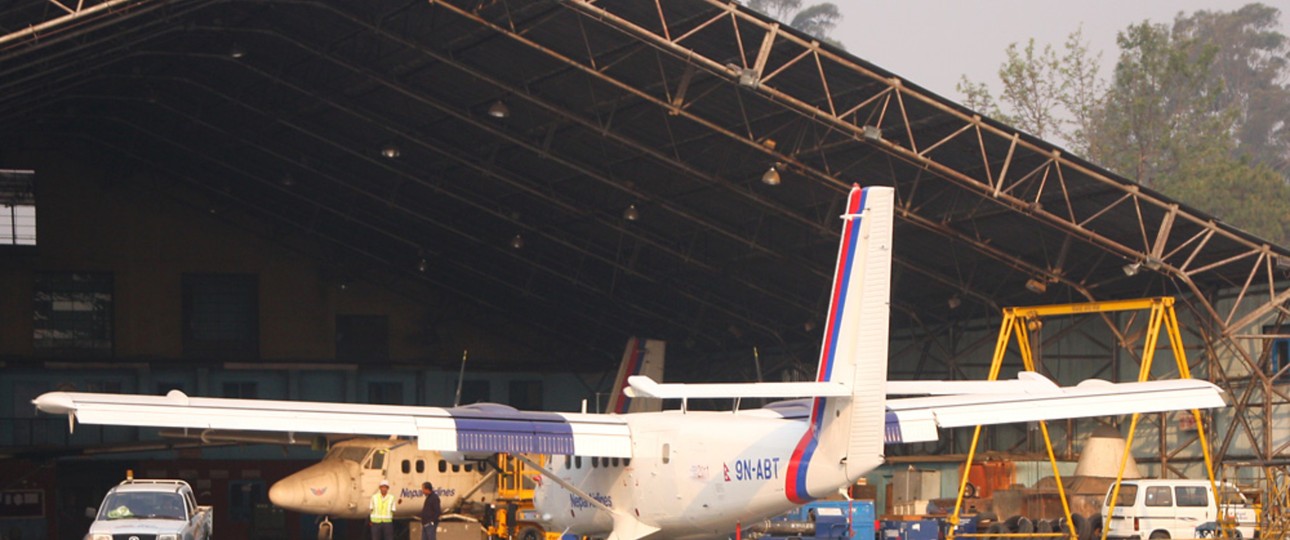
[880, 118]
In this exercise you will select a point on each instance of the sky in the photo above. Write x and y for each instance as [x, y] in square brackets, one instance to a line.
[933, 43]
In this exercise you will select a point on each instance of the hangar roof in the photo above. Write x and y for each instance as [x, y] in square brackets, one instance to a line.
[545, 121]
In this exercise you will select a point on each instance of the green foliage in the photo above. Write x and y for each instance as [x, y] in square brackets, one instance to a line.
[1050, 94]
[1199, 110]
[816, 20]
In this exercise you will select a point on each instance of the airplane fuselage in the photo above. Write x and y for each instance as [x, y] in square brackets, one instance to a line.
[342, 483]
[695, 478]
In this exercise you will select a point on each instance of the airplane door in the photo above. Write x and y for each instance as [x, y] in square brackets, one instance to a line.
[370, 475]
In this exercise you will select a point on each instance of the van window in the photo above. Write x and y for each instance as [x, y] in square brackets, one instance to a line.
[1128, 494]
[1159, 496]
[1191, 496]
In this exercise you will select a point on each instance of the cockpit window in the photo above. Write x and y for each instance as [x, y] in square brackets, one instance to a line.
[349, 453]
[378, 460]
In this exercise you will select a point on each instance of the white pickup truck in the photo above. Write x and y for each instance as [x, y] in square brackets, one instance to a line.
[151, 510]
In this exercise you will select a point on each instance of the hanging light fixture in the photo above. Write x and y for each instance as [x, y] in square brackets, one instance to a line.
[771, 176]
[499, 110]
[517, 242]
[631, 213]
[954, 302]
[236, 52]
[423, 265]
[390, 151]
[1036, 285]
[1132, 268]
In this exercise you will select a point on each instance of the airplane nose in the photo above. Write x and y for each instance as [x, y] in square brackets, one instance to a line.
[288, 492]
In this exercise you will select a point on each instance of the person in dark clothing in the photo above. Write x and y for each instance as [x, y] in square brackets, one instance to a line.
[430, 512]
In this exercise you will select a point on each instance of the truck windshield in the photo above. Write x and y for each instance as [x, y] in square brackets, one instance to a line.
[1128, 494]
[142, 506]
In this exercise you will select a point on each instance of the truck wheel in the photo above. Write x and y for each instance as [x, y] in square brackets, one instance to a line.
[1159, 535]
[996, 529]
[529, 533]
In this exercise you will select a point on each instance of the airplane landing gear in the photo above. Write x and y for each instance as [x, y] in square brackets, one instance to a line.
[325, 529]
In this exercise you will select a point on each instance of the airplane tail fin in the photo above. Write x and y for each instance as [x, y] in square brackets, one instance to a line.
[640, 357]
[846, 433]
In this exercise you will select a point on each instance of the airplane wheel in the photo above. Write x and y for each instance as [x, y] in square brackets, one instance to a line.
[325, 530]
[529, 533]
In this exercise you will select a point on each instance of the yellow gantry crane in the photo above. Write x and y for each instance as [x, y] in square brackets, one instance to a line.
[1018, 322]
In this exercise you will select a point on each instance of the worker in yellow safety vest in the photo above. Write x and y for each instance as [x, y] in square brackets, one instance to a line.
[382, 518]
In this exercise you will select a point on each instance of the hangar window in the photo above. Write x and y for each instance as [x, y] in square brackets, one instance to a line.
[73, 314]
[17, 208]
[1279, 356]
[526, 395]
[221, 316]
[242, 390]
[385, 393]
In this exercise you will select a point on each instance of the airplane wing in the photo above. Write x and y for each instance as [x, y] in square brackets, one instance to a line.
[916, 419]
[479, 428]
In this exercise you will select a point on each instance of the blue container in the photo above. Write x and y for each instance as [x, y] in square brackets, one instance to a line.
[913, 529]
[831, 519]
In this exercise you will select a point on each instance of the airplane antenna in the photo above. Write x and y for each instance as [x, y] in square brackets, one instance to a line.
[757, 363]
[461, 376]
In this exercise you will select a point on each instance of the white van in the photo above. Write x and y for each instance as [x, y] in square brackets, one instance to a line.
[1158, 509]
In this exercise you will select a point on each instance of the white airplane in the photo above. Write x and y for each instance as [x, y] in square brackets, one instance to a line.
[686, 474]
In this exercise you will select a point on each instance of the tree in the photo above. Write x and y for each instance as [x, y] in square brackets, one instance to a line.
[1171, 124]
[1196, 110]
[1253, 61]
[1049, 95]
[816, 20]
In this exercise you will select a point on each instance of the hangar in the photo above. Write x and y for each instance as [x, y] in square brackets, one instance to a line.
[300, 199]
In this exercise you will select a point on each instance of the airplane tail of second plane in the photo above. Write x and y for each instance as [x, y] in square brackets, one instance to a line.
[846, 432]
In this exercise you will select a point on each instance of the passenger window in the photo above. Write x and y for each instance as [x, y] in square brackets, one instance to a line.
[568, 460]
[443, 466]
[469, 467]
[615, 460]
[456, 467]
[595, 462]
[577, 462]
[406, 466]
[377, 461]
[1159, 496]
[1191, 496]
[627, 462]
[667, 453]
[421, 465]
